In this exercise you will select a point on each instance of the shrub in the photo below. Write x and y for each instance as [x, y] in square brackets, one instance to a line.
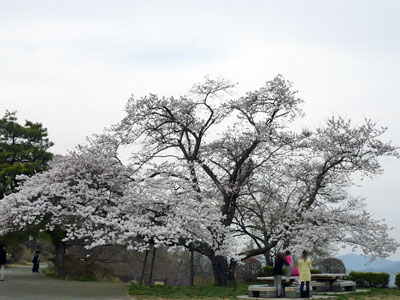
[203, 279]
[75, 268]
[315, 271]
[267, 271]
[397, 280]
[370, 279]
[248, 271]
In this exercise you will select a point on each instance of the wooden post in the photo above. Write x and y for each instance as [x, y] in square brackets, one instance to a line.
[191, 265]
[144, 266]
[152, 265]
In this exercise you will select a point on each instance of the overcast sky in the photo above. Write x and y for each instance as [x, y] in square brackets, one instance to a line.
[72, 65]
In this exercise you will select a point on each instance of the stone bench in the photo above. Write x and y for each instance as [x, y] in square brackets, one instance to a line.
[342, 286]
[294, 291]
[317, 286]
[261, 290]
[285, 279]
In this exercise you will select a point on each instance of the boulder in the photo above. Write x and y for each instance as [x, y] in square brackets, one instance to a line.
[332, 266]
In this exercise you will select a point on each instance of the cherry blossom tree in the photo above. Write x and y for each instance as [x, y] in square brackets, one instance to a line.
[90, 197]
[302, 200]
[220, 141]
[78, 187]
[269, 183]
[206, 168]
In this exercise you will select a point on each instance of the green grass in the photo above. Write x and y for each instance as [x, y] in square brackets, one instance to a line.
[218, 292]
[182, 292]
[372, 293]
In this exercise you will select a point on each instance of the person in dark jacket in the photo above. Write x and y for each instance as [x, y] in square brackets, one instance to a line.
[36, 261]
[280, 261]
[3, 256]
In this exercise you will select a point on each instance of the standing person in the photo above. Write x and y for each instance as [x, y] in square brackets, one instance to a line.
[305, 274]
[295, 271]
[288, 257]
[3, 257]
[290, 262]
[36, 261]
[280, 261]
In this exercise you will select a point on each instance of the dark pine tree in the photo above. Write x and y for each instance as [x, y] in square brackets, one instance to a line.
[23, 150]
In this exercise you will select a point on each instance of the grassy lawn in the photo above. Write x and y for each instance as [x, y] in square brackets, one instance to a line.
[187, 292]
[215, 292]
[373, 294]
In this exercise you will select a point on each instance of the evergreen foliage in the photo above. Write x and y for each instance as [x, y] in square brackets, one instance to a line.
[370, 279]
[23, 150]
[267, 271]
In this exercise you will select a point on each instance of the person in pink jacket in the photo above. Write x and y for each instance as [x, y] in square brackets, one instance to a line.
[295, 271]
[288, 257]
[289, 262]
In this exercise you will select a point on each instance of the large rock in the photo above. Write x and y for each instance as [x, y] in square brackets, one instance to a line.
[332, 266]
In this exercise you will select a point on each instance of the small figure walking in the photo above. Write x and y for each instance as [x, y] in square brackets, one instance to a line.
[3, 257]
[36, 261]
[305, 274]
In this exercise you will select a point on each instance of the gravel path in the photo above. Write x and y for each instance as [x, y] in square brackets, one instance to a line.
[21, 284]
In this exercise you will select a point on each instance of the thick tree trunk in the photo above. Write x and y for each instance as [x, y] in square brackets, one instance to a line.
[220, 270]
[223, 272]
[231, 272]
[57, 236]
[59, 248]
[152, 265]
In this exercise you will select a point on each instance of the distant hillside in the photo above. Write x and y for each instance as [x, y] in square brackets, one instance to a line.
[354, 262]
